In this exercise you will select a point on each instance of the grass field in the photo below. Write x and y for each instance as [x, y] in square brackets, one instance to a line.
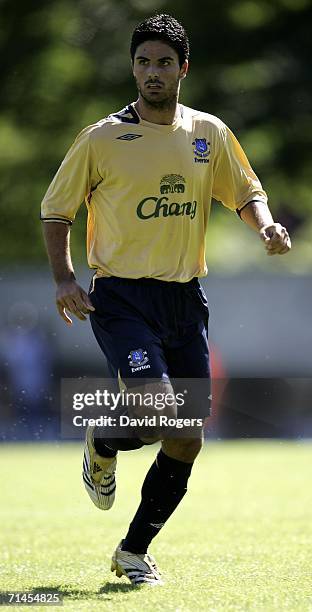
[240, 540]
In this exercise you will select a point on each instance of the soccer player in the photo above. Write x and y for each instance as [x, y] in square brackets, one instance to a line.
[147, 174]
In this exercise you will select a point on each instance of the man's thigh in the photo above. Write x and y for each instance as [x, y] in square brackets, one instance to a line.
[188, 356]
[136, 359]
[132, 350]
[189, 371]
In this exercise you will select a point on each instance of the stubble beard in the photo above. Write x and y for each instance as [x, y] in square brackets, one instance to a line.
[167, 103]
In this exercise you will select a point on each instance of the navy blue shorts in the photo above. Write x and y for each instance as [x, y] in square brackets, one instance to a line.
[151, 329]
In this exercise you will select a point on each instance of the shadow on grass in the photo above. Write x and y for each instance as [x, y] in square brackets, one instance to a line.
[112, 587]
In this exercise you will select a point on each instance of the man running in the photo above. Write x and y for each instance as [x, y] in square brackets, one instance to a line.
[147, 174]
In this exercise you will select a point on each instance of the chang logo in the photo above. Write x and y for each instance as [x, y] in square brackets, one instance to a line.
[155, 207]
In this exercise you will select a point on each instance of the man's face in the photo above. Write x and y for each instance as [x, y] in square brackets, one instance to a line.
[158, 74]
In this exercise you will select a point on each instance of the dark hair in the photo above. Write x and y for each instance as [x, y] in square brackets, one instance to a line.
[162, 27]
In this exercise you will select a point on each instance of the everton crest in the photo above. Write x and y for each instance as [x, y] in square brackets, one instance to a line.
[137, 357]
[202, 150]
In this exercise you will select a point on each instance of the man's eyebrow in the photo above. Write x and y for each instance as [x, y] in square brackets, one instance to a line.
[167, 57]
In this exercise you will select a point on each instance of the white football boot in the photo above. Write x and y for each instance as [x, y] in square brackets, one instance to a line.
[98, 474]
[139, 569]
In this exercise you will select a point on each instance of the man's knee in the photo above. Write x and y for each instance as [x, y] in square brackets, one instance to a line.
[151, 404]
[182, 449]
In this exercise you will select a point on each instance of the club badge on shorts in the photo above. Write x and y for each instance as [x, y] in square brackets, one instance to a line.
[138, 360]
[137, 357]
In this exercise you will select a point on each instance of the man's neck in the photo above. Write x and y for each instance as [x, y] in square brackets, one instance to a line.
[154, 115]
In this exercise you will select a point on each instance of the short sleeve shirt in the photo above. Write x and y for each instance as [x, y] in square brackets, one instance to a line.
[148, 189]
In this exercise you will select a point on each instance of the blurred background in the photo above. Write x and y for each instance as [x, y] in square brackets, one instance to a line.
[65, 64]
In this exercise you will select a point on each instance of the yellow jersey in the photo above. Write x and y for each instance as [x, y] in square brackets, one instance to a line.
[148, 189]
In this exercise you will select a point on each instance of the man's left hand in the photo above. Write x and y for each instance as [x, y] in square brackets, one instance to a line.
[276, 239]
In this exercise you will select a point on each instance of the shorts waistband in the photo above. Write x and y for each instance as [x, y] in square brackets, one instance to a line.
[149, 281]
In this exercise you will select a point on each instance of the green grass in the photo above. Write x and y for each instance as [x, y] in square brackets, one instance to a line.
[240, 540]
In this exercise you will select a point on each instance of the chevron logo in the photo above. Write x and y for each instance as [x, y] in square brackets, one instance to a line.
[129, 136]
[96, 468]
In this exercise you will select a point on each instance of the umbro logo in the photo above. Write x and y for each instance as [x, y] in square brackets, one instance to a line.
[96, 468]
[129, 136]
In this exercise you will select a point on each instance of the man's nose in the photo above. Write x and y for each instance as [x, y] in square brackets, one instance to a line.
[153, 71]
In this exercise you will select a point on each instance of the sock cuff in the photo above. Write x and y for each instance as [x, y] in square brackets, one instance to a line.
[103, 449]
[171, 466]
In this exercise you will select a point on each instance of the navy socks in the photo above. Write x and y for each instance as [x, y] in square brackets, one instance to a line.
[164, 486]
[108, 447]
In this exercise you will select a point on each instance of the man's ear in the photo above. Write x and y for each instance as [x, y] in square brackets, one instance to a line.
[183, 70]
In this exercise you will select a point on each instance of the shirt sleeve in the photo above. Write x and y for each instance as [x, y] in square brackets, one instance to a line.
[73, 182]
[235, 184]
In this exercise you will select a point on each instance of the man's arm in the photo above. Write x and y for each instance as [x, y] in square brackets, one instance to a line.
[258, 216]
[69, 295]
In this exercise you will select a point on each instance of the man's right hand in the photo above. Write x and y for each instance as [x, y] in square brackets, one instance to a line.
[70, 296]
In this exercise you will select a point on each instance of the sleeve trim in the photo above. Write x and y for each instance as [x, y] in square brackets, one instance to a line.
[56, 220]
[239, 210]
